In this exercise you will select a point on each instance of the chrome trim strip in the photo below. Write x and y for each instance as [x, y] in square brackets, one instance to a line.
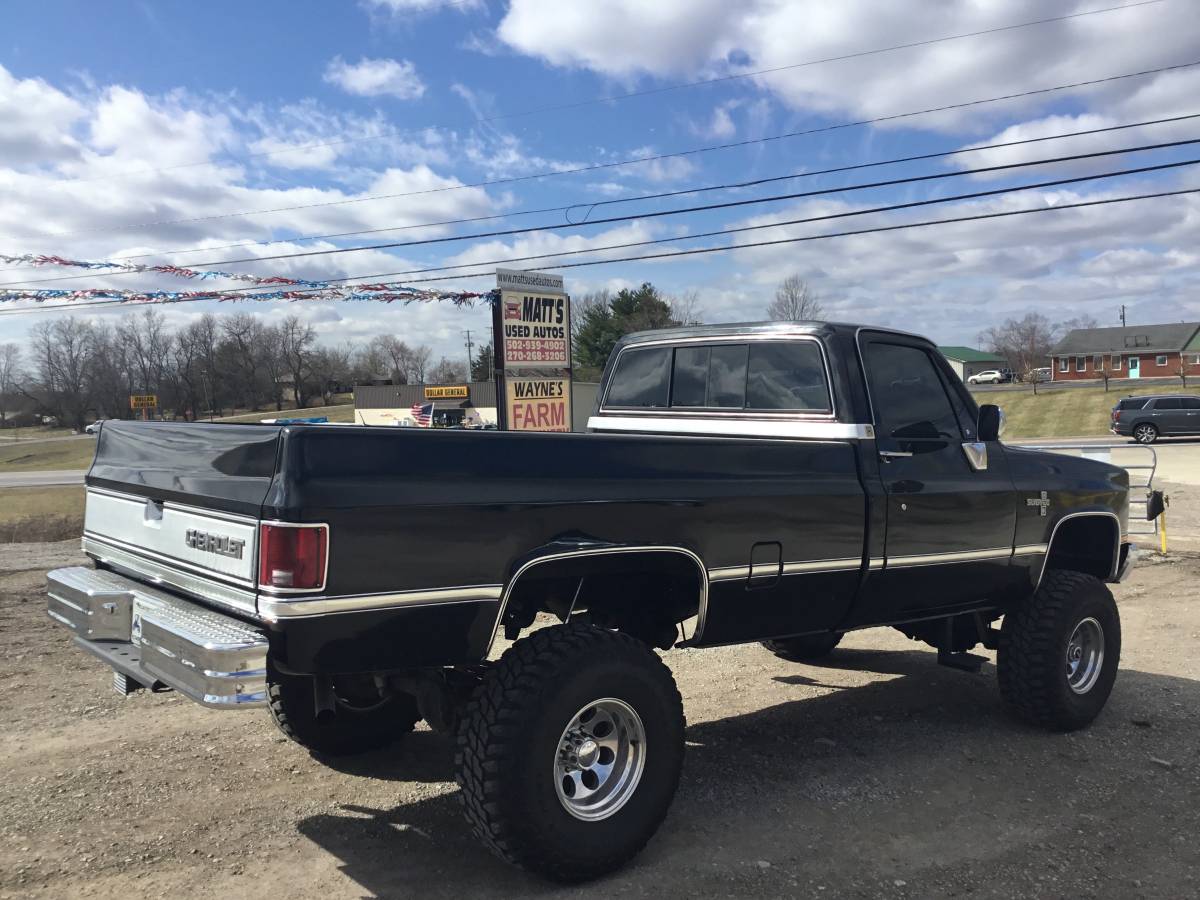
[729, 573]
[1116, 543]
[800, 567]
[1030, 549]
[702, 608]
[273, 609]
[743, 428]
[822, 565]
[956, 556]
[875, 563]
[271, 590]
[140, 567]
[775, 337]
[184, 507]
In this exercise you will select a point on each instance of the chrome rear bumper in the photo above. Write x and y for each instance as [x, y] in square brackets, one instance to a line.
[214, 659]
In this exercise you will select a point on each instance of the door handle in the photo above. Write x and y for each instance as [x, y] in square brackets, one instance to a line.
[889, 455]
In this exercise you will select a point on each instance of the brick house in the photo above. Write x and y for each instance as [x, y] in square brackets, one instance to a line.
[1133, 351]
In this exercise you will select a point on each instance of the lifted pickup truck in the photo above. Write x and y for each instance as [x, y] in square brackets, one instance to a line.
[782, 483]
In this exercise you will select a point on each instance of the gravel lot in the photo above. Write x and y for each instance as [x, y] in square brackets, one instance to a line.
[876, 775]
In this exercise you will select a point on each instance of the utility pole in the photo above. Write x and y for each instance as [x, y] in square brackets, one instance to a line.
[470, 358]
[1122, 315]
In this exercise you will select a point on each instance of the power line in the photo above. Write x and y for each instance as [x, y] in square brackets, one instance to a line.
[744, 228]
[912, 179]
[638, 160]
[611, 98]
[722, 249]
[736, 185]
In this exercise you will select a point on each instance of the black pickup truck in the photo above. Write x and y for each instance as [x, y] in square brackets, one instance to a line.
[782, 483]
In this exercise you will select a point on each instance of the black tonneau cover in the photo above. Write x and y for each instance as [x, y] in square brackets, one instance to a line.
[211, 465]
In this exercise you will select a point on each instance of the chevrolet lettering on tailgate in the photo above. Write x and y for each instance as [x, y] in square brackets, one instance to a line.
[221, 544]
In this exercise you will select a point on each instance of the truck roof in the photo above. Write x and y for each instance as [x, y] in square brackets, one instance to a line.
[734, 329]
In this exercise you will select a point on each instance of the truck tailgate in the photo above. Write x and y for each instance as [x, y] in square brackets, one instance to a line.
[168, 499]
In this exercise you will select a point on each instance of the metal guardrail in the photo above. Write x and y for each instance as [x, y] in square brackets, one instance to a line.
[1141, 475]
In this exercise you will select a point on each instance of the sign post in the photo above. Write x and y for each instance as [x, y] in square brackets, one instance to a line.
[531, 322]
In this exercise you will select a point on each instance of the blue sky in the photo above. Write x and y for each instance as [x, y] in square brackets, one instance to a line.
[153, 113]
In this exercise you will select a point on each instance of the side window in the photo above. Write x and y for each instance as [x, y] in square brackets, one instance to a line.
[1191, 402]
[787, 376]
[641, 379]
[1168, 403]
[907, 394]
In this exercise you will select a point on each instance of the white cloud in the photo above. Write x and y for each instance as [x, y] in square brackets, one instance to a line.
[376, 77]
[408, 7]
[720, 125]
[686, 39]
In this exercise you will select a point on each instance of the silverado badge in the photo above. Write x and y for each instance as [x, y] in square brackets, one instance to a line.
[1043, 502]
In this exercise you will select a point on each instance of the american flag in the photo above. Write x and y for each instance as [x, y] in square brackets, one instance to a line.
[422, 414]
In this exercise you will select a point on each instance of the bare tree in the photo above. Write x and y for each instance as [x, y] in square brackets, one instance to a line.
[418, 363]
[448, 371]
[1024, 343]
[1181, 369]
[296, 342]
[247, 348]
[795, 300]
[329, 368]
[685, 308]
[63, 355]
[391, 355]
[10, 379]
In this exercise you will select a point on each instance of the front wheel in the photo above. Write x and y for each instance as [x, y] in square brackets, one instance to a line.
[1145, 433]
[1059, 652]
[570, 752]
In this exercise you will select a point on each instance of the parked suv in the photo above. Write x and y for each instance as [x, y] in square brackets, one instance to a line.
[1146, 419]
[991, 376]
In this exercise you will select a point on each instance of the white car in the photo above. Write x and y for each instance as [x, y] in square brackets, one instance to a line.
[990, 376]
[94, 427]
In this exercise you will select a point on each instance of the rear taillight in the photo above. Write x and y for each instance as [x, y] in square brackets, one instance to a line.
[292, 556]
[1116, 415]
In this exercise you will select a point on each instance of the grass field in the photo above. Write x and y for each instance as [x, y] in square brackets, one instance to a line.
[36, 456]
[40, 514]
[1070, 412]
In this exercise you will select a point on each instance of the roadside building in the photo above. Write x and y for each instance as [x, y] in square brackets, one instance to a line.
[966, 361]
[471, 404]
[1132, 351]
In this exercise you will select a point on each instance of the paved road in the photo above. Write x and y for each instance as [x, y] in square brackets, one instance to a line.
[42, 479]
[6, 440]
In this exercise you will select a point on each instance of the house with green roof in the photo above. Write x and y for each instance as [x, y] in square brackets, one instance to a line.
[967, 361]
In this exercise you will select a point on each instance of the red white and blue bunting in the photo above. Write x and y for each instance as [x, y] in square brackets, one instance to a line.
[301, 289]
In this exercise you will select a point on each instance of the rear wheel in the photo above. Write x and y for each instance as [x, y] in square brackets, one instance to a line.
[800, 649]
[570, 752]
[1059, 652]
[1145, 433]
[362, 718]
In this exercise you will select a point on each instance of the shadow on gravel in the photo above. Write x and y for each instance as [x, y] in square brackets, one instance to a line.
[425, 757]
[924, 761]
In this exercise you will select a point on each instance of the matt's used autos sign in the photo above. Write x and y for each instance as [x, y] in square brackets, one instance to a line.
[536, 330]
[538, 404]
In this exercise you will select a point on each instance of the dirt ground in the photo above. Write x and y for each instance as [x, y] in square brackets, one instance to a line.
[878, 774]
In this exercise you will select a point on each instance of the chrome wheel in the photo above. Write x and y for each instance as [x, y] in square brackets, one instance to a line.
[1145, 434]
[600, 759]
[1085, 655]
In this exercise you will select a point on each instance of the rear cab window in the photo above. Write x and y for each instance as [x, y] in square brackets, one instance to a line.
[783, 376]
